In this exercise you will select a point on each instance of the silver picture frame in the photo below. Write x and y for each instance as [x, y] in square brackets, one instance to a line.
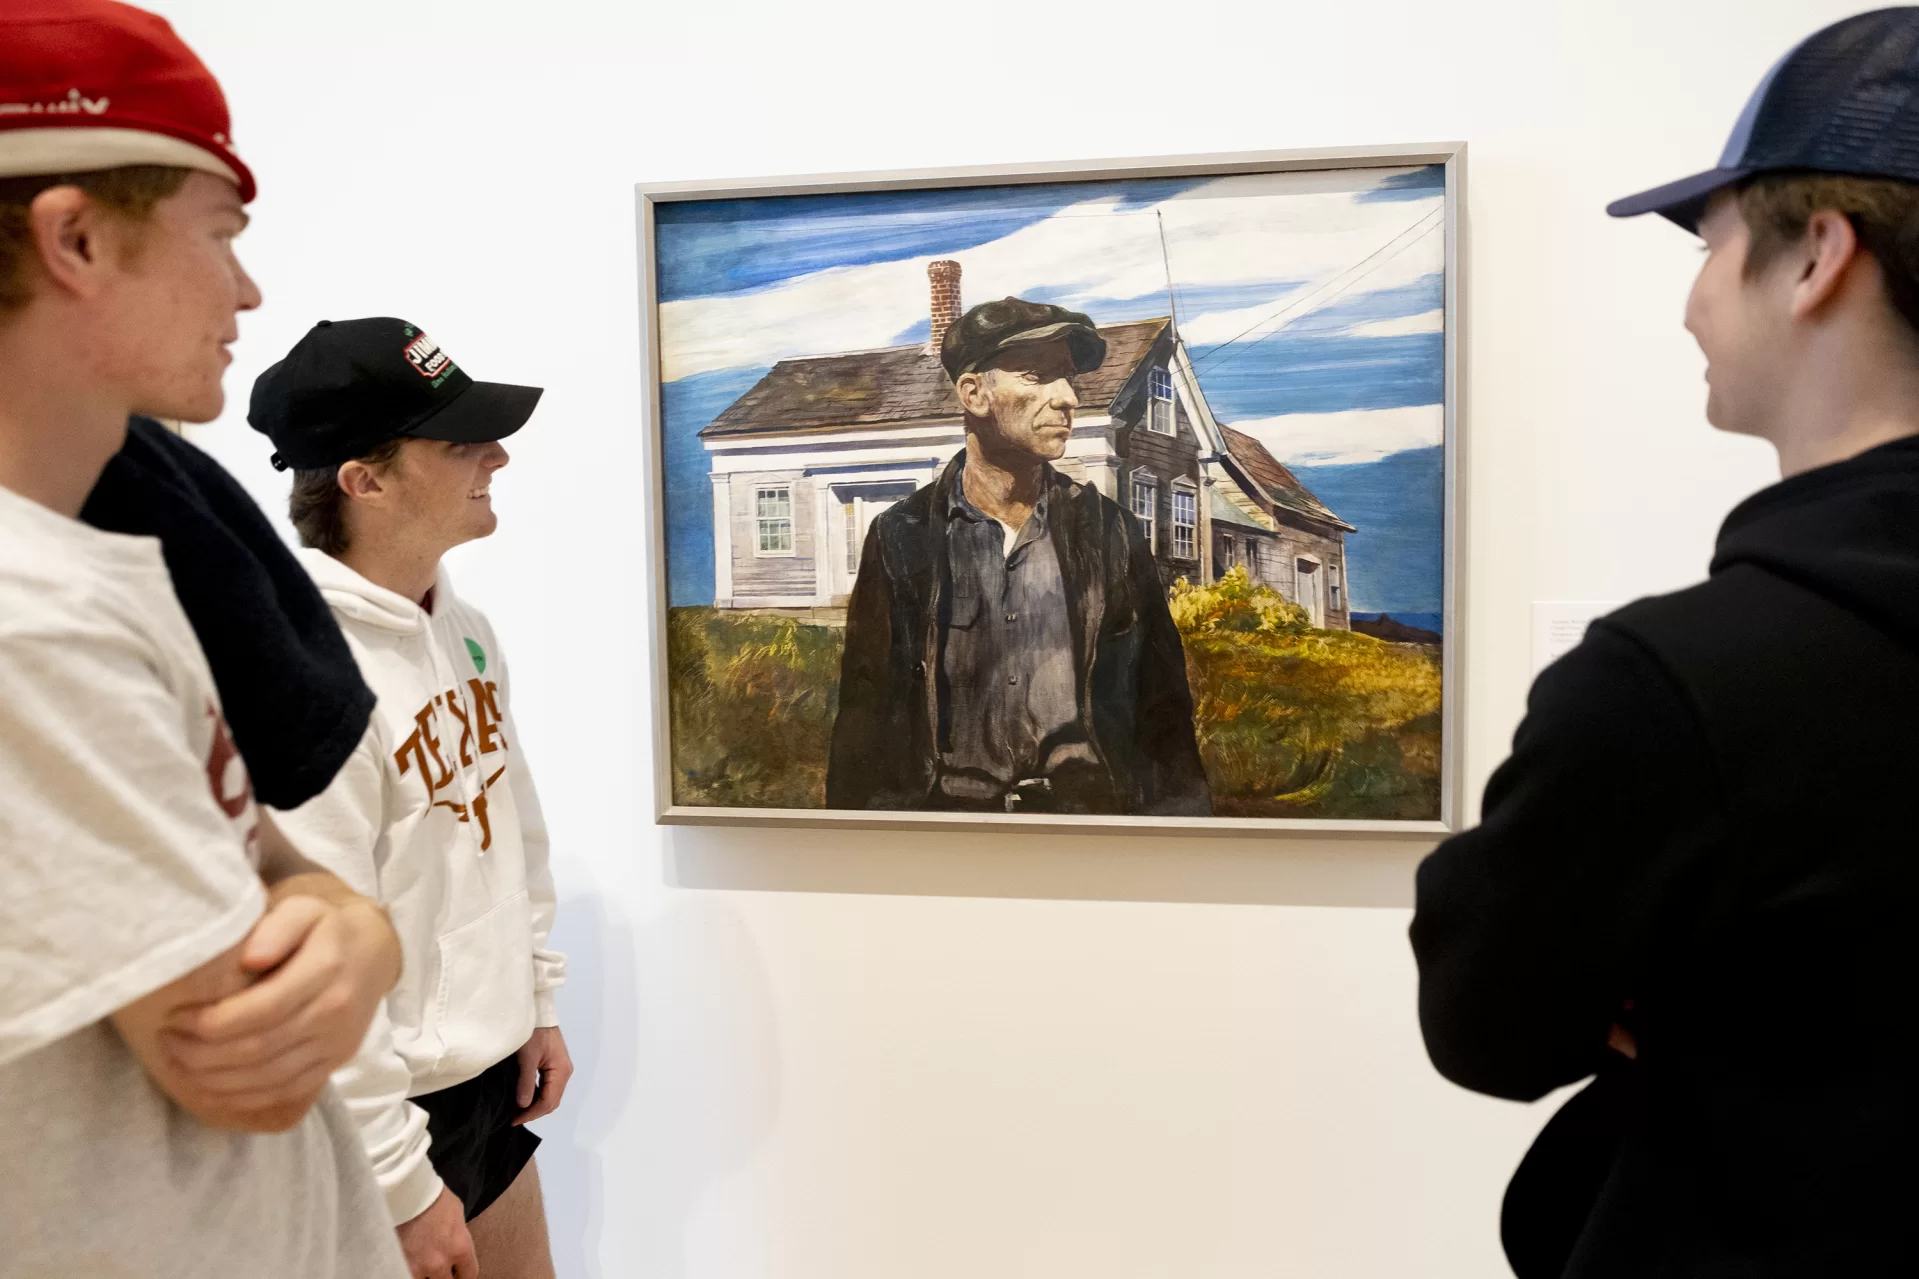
[1451, 155]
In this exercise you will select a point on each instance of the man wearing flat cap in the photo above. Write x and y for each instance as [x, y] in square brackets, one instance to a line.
[1008, 644]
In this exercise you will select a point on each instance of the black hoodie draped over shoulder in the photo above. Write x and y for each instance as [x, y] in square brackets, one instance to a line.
[289, 686]
[1708, 832]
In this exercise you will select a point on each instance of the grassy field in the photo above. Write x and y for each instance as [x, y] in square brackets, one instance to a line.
[1292, 721]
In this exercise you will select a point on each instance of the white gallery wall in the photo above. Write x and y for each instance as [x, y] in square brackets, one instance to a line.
[872, 1056]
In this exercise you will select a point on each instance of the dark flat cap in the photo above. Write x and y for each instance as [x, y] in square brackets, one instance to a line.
[991, 327]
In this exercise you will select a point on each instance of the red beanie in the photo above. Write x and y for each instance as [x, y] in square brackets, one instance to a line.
[91, 84]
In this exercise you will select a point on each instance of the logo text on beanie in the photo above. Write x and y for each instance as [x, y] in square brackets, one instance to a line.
[75, 103]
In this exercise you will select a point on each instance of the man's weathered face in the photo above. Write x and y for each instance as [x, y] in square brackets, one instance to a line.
[1023, 398]
[1742, 323]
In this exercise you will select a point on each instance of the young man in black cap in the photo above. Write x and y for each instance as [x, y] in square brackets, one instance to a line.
[1008, 644]
[393, 449]
[1696, 876]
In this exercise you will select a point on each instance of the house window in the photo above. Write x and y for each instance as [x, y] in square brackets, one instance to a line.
[1252, 559]
[1333, 586]
[1146, 508]
[851, 514]
[774, 509]
[1226, 550]
[1159, 390]
[1185, 524]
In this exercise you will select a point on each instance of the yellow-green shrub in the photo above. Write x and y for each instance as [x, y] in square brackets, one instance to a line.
[1291, 721]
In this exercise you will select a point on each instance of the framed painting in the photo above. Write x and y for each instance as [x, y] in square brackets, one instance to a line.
[1113, 495]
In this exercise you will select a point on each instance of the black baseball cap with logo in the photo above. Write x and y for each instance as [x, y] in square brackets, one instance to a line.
[1844, 101]
[349, 386]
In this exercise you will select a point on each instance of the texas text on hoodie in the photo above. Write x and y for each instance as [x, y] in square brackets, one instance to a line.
[1710, 812]
[435, 816]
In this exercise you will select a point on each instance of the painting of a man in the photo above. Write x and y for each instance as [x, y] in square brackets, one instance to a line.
[1159, 532]
[1008, 643]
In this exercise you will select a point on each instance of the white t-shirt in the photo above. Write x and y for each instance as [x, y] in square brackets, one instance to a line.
[127, 846]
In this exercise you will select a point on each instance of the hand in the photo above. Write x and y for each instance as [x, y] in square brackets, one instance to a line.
[436, 1243]
[270, 1048]
[1621, 1041]
[544, 1069]
[143, 1025]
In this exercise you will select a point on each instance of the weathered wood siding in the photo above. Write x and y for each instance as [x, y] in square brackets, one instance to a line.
[759, 576]
[1167, 458]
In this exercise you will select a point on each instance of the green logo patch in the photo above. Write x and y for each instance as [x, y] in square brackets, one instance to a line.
[478, 654]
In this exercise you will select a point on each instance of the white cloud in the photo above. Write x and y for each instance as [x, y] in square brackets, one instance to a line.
[1224, 232]
[1342, 439]
[1433, 321]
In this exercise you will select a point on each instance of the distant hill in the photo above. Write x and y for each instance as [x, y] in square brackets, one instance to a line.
[1386, 627]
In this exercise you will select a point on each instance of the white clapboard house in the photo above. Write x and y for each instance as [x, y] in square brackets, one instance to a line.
[804, 461]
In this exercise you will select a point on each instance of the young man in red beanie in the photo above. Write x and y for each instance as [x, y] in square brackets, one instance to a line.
[176, 984]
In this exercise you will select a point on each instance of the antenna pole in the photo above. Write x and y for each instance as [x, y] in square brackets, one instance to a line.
[1172, 300]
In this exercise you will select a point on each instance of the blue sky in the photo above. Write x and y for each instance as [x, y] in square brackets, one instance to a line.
[1309, 302]
[736, 246]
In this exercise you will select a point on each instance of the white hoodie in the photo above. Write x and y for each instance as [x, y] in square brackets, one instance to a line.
[434, 815]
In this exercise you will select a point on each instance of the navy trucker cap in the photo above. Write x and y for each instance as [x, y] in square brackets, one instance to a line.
[1846, 100]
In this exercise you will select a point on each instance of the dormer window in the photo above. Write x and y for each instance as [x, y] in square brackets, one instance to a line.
[1159, 393]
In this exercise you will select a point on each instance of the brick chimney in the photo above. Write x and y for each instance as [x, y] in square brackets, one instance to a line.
[944, 277]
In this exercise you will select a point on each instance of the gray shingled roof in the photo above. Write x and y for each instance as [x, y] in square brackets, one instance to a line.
[901, 384]
[1279, 485]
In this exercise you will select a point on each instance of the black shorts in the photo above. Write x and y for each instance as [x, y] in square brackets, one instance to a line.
[475, 1147]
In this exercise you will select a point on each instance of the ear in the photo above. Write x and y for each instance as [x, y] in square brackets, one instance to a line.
[78, 242]
[361, 482]
[972, 393]
[1832, 247]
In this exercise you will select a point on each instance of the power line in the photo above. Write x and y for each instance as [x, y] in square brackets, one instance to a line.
[1337, 285]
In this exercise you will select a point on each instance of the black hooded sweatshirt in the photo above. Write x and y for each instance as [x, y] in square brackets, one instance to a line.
[1708, 832]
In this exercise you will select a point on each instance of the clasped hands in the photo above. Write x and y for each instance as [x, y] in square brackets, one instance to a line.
[248, 1041]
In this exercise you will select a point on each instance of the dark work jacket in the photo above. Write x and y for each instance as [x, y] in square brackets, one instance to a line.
[288, 683]
[1706, 832]
[1133, 699]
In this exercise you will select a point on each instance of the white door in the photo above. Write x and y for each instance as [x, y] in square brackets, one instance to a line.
[857, 517]
[1309, 589]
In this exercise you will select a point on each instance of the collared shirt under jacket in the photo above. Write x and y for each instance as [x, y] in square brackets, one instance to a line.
[1135, 712]
[1013, 699]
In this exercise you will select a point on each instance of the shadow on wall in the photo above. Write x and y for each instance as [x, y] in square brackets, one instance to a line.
[674, 1041]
